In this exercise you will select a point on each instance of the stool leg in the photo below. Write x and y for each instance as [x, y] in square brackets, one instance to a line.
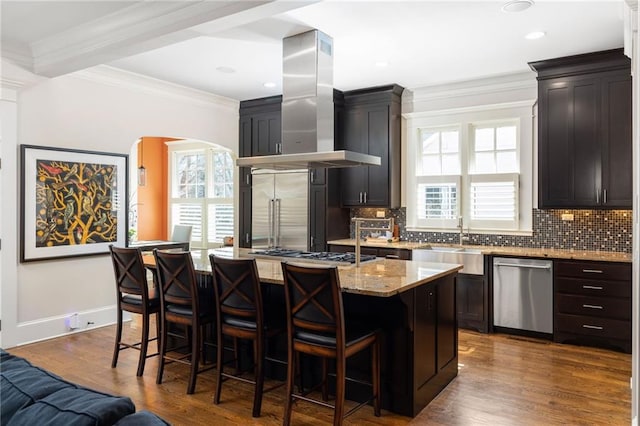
[325, 375]
[116, 348]
[144, 344]
[219, 365]
[340, 383]
[195, 356]
[375, 380]
[258, 350]
[291, 368]
[163, 347]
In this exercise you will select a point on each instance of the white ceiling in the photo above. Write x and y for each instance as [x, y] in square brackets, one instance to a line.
[186, 42]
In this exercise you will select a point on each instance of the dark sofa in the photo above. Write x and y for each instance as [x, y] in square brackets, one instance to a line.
[30, 395]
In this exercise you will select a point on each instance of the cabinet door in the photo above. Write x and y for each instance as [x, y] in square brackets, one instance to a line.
[354, 178]
[425, 362]
[317, 214]
[245, 136]
[569, 143]
[244, 222]
[377, 186]
[447, 331]
[470, 298]
[266, 133]
[617, 184]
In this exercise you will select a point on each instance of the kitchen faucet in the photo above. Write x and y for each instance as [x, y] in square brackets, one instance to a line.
[461, 236]
[358, 221]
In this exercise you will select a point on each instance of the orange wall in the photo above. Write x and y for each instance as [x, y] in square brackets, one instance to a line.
[153, 197]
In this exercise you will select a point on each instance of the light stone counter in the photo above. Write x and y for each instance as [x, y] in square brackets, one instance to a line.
[379, 277]
[551, 253]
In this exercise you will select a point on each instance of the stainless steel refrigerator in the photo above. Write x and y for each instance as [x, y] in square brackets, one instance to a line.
[280, 215]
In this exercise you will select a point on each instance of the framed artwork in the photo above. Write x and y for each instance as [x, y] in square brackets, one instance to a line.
[74, 203]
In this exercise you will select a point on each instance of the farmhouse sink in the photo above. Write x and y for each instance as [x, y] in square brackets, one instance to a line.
[470, 258]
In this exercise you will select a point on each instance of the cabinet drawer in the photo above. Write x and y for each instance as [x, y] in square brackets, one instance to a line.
[399, 253]
[606, 307]
[593, 270]
[593, 288]
[593, 326]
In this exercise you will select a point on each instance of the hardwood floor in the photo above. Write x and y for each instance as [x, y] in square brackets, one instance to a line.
[503, 380]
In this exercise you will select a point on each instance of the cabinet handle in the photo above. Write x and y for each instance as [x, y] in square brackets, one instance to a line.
[592, 306]
[360, 198]
[592, 271]
[430, 303]
[246, 238]
[597, 196]
[365, 198]
[248, 177]
[592, 287]
[313, 176]
[312, 241]
[593, 327]
[604, 196]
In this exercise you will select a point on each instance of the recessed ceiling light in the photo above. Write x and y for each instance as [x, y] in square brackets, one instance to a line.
[382, 64]
[269, 84]
[517, 5]
[535, 35]
[226, 70]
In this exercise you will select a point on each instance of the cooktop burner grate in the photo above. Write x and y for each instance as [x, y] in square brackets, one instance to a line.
[315, 255]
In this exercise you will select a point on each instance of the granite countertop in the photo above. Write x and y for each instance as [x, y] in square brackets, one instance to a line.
[379, 277]
[551, 253]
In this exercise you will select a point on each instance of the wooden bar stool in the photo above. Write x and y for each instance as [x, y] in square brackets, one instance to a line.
[185, 303]
[241, 315]
[316, 326]
[134, 296]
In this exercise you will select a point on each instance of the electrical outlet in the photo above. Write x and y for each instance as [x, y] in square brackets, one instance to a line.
[380, 213]
[72, 322]
[567, 216]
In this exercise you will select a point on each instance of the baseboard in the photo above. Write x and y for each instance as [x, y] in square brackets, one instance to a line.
[52, 327]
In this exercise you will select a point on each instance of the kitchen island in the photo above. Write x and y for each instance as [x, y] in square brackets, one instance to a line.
[413, 303]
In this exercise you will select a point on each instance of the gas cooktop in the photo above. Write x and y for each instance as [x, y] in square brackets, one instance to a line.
[313, 255]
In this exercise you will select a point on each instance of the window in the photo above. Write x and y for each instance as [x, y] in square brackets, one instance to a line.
[202, 193]
[470, 169]
[438, 177]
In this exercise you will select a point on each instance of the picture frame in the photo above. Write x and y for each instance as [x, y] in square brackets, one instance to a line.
[73, 202]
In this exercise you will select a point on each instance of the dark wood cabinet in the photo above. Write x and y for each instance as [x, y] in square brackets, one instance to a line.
[372, 126]
[391, 253]
[260, 134]
[592, 303]
[472, 302]
[584, 131]
[433, 340]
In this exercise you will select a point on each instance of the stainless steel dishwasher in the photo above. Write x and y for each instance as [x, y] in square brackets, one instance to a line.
[523, 294]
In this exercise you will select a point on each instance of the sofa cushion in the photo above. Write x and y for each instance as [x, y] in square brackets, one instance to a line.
[74, 407]
[20, 387]
[142, 418]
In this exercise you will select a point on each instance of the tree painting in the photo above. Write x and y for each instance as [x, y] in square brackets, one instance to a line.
[75, 203]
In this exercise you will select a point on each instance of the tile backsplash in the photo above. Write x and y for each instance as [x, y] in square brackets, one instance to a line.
[596, 230]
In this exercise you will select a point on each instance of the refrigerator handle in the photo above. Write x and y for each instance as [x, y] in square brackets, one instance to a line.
[270, 222]
[277, 223]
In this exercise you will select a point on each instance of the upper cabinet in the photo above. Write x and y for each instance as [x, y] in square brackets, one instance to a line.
[372, 126]
[584, 131]
[260, 126]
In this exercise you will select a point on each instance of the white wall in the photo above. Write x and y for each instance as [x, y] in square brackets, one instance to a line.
[99, 110]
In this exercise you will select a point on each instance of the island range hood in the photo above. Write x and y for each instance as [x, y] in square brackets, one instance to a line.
[307, 110]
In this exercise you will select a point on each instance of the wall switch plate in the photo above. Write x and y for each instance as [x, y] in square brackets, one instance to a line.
[380, 213]
[567, 216]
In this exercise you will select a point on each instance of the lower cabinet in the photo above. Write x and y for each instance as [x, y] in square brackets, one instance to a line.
[592, 304]
[392, 253]
[472, 302]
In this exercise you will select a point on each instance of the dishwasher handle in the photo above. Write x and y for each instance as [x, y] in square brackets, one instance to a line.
[517, 265]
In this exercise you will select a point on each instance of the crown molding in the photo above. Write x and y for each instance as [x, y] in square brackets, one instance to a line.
[116, 77]
[528, 103]
[633, 4]
[490, 85]
[130, 30]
